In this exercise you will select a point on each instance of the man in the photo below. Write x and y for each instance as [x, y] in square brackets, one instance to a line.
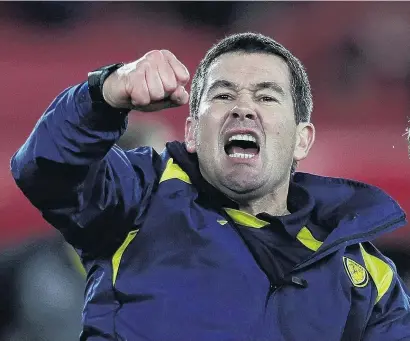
[217, 238]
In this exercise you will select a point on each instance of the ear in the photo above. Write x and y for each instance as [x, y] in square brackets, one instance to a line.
[190, 134]
[305, 137]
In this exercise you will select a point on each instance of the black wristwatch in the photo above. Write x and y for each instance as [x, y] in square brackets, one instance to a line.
[96, 80]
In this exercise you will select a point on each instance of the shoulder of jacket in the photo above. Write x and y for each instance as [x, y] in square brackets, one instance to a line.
[380, 268]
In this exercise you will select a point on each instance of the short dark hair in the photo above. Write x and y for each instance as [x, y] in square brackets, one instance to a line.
[256, 43]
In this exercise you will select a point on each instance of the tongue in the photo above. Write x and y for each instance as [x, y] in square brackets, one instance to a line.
[236, 149]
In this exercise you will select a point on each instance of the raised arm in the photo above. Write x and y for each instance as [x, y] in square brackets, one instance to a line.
[70, 168]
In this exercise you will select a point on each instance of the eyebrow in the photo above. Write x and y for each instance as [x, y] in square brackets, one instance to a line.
[271, 86]
[222, 83]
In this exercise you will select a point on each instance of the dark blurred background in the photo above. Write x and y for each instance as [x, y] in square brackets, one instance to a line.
[358, 58]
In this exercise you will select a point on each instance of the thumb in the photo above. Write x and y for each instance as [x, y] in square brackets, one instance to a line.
[180, 96]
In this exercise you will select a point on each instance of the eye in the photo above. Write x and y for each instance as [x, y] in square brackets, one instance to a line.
[223, 97]
[267, 99]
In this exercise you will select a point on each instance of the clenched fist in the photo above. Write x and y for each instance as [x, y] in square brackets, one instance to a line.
[153, 82]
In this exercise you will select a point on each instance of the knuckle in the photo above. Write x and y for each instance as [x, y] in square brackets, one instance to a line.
[183, 73]
[143, 65]
[169, 85]
[157, 95]
[167, 53]
[133, 80]
[144, 101]
[140, 68]
[139, 99]
[154, 56]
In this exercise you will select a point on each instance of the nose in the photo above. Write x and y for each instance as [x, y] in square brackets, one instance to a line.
[243, 112]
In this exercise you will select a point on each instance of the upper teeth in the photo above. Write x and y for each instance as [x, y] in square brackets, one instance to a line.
[242, 137]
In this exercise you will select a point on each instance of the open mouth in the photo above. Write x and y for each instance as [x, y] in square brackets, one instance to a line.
[243, 146]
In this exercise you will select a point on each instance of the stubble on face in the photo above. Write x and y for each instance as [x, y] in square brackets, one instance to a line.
[266, 113]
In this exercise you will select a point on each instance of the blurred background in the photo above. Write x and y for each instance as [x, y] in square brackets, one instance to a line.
[357, 55]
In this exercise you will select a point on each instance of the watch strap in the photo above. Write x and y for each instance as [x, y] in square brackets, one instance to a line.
[96, 81]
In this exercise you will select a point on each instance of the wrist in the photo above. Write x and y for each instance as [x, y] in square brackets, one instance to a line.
[96, 79]
[105, 93]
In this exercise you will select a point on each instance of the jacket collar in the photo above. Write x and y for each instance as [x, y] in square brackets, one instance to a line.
[348, 208]
[341, 207]
[208, 194]
[300, 204]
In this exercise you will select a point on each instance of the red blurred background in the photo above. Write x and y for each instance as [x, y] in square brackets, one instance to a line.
[357, 55]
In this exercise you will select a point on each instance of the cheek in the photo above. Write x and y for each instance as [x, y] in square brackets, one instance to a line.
[205, 134]
[209, 126]
[282, 137]
[214, 111]
[275, 130]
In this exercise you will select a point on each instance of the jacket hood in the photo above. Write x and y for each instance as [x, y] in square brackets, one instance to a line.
[349, 208]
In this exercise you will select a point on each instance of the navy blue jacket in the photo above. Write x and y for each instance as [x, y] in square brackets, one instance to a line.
[170, 259]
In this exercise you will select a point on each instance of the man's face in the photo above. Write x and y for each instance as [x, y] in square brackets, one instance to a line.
[246, 136]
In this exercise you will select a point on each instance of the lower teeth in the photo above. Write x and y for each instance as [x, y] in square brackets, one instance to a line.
[242, 155]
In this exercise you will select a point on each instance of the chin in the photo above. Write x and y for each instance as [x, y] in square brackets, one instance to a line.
[244, 197]
[241, 189]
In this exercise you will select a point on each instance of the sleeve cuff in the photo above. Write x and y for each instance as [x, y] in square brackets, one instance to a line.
[99, 115]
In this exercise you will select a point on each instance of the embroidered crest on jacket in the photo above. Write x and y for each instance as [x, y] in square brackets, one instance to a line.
[357, 273]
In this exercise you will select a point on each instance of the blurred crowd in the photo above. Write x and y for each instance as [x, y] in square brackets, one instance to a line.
[357, 56]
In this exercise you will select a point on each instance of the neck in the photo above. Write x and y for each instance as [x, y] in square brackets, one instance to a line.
[274, 203]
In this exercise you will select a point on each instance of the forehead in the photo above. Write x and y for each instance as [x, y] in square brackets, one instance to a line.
[250, 68]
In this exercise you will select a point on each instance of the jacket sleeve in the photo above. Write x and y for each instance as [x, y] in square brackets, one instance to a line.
[83, 184]
[390, 318]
